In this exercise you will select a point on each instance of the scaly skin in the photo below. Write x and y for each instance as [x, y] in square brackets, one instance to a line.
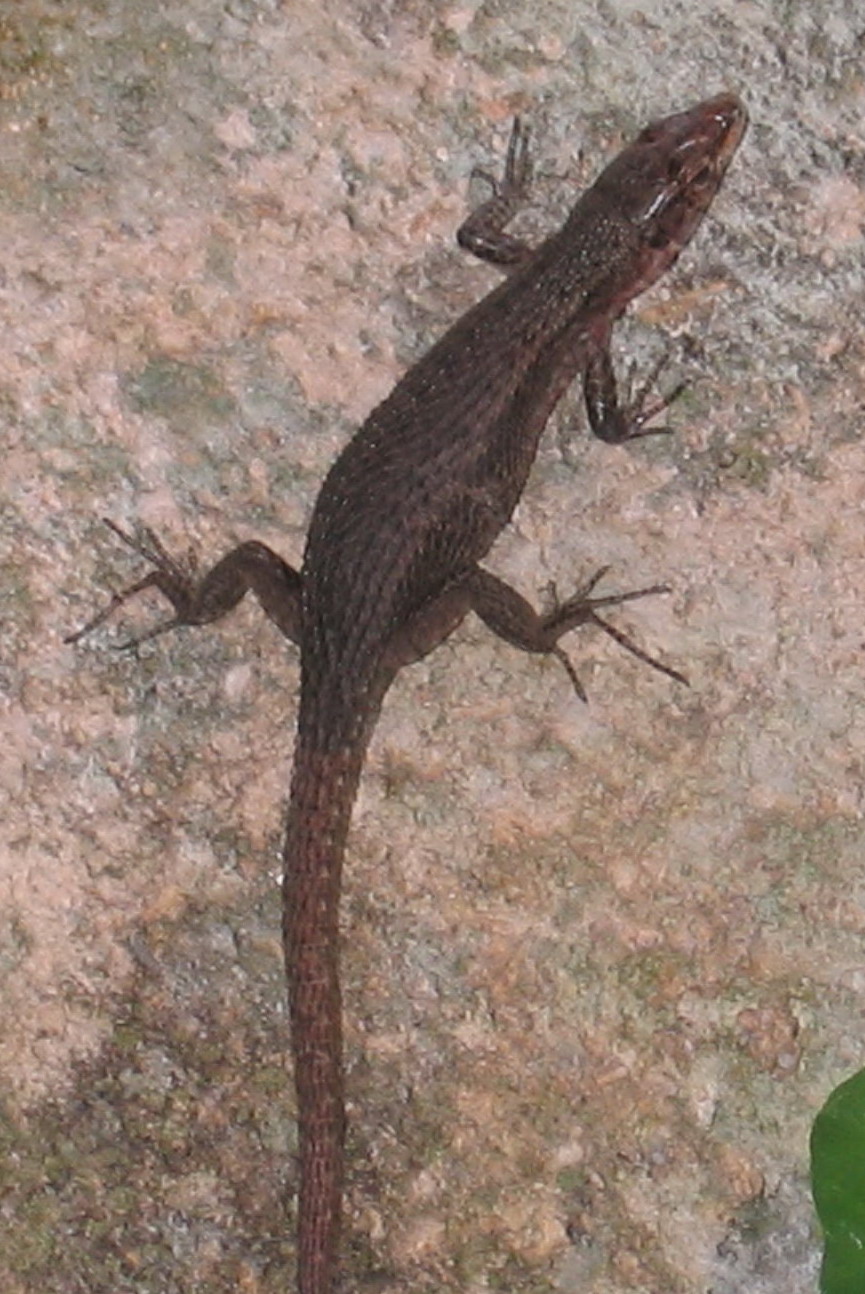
[408, 509]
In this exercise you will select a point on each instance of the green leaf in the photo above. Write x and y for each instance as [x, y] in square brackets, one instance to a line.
[838, 1186]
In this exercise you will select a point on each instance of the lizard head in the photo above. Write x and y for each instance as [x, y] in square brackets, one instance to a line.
[663, 182]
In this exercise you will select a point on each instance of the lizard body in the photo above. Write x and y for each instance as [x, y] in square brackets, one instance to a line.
[405, 514]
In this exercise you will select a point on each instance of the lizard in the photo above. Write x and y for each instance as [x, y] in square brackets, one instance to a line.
[407, 511]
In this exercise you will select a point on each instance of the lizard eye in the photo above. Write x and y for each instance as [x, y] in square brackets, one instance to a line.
[650, 134]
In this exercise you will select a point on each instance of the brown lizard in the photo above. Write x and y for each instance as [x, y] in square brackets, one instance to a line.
[405, 514]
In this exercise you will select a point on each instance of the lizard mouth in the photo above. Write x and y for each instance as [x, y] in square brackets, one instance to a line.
[711, 133]
[724, 120]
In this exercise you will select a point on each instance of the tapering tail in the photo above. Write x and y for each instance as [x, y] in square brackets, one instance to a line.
[329, 756]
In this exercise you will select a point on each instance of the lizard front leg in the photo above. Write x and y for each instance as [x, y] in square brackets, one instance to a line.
[483, 231]
[614, 421]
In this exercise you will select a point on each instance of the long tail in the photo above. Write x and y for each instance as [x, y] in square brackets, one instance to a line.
[329, 756]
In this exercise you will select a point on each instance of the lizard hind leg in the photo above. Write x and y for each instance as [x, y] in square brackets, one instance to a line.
[199, 600]
[513, 618]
